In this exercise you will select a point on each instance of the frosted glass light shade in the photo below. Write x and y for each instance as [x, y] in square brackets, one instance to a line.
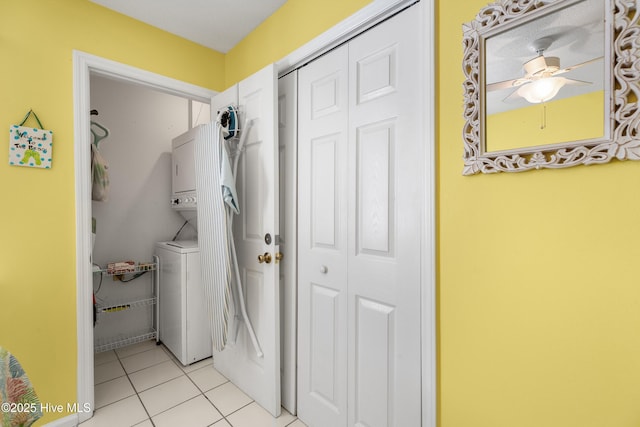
[541, 90]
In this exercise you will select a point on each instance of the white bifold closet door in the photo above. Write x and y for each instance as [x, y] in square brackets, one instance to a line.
[323, 114]
[361, 159]
[257, 184]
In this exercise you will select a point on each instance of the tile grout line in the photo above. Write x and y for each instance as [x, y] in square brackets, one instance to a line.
[203, 393]
[224, 417]
[136, 354]
[185, 373]
[154, 386]
[164, 382]
[134, 389]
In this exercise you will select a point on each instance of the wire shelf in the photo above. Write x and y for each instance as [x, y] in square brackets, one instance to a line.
[116, 307]
[118, 342]
[131, 269]
[125, 339]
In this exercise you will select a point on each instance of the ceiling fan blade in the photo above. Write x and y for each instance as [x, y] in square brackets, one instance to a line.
[576, 82]
[541, 65]
[512, 97]
[573, 67]
[506, 84]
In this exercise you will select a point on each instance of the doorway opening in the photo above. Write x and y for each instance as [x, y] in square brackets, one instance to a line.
[86, 68]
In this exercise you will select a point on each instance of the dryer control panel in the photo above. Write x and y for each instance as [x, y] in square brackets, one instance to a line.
[185, 200]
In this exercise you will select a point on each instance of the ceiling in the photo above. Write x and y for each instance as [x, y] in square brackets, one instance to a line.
[217, 24]
[577, 34]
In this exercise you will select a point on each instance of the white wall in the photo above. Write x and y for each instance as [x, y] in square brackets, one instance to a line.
[142, 122]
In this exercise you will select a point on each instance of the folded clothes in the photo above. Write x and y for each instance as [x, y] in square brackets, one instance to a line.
[121, 267]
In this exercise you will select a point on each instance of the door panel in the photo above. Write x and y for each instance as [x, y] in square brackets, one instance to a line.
[322, 240]
[385, 205]
[375, 173]
[324, 216]
[374, 372]
[324, 347]
[376, 74]
[250, 188]
[257, 186]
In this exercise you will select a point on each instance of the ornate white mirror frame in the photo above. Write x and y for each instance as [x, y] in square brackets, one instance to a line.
[621, 137]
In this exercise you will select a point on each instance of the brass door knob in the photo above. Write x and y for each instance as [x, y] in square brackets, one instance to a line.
[279, 257]
[266, 258]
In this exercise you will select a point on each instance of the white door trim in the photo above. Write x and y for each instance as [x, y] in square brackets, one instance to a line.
[428, 303]
[83, 65]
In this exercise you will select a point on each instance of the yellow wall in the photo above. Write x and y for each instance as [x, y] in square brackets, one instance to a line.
[564, 120]
[537, 293]
[37, 218]
[538, 288]
[294, 24]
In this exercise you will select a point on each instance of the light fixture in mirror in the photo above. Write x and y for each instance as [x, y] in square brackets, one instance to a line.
[541, 90]
[549, 85]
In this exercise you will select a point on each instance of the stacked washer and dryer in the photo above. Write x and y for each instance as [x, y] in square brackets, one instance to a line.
[183, 325]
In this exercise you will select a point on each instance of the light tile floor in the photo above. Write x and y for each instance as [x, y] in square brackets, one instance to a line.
[144, 385]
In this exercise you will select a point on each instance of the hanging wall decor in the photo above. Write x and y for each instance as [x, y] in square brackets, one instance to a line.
[29, 146]
[584, 53]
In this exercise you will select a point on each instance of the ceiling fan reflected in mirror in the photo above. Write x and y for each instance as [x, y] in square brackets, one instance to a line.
[540, 82]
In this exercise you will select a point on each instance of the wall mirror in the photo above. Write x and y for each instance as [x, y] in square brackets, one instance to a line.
[551, 84]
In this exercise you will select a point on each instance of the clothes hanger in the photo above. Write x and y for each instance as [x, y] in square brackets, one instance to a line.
[97, 137]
